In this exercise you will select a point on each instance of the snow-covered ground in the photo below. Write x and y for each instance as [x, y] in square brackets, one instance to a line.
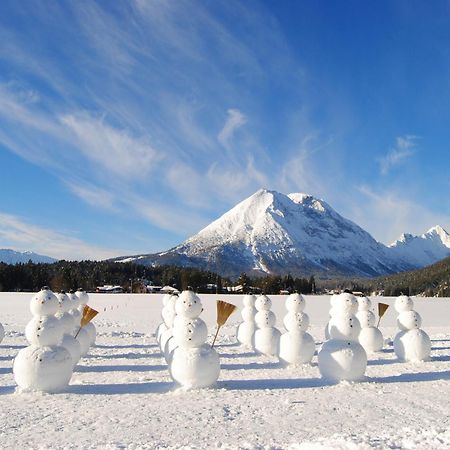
[122, 396]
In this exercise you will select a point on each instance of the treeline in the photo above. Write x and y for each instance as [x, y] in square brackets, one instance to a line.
[66, 275]
[429, 281]
[273, 284]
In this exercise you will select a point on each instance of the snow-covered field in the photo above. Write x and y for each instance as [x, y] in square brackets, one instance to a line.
[121, 395]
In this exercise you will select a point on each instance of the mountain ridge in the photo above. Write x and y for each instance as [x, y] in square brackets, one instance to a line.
[10, 256]
[274, 233]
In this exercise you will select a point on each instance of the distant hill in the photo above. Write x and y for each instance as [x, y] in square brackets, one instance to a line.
[433, 280]
[9, 256]
[271, 233]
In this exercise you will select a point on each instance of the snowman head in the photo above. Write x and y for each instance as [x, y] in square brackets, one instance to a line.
[295, 303]
[263, 303]
[296, 321]
[364, 304]
[248, 314]
[249, 300]
[188, 305]
[74, 300]
[409, 320]
[265, 319]
[344, 327]
[404, 303]
[190, 332]
[64, 302]
[83, 297]
[346, 303]
[366, 318]
[333, 299]
[44, 303]
[166, 298]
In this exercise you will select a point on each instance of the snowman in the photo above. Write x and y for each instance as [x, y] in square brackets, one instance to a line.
[67, 322]
[343, 357]
[44, 365]
[193, 363]
[166, 342]
[79, 333]
[331, 313]
[411, 343]
[267, 337]
[162, 326]
[370, 336]
[83, 299]
[246, 329]
[296, 345]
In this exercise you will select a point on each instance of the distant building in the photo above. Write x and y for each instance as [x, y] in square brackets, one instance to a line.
[109, 289]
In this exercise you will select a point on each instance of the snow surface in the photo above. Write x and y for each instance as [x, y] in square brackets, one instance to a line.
[121, 395]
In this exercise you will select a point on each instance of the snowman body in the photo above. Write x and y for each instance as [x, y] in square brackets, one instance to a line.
[166, 341]
[343, 357]
[162, 326]
[247, 328]
[370, 337]
[193, 363]
[83, 299]
[296, 345]
[67, 321]
[45, 365]
[411, 343]
[267, 337]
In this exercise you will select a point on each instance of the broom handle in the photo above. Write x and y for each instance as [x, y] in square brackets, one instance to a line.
[379, 320]
[215, 337]
[79, 329]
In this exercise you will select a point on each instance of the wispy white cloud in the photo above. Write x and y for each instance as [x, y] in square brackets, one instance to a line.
[235, 120]
[401, 152]
[20, 234]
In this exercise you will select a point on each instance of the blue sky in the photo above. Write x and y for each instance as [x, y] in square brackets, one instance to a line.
[127, 126]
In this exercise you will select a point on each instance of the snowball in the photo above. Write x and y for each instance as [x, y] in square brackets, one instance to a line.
[266, 341]
[64, 302]
[294, 321]
[84, 340]
[342, 360]
[67, 322]
[403, 303]
[346, 303]
[364, 304]
[263, 303]
[44, 331]
[189, 332]
[366, 318]
[195, 367]
[265, 319]
[412, 345]
[159, 331]
[76, 317]
[92, 332]
[169, 348]
[73, 300]
[248, 313]
[344, 327]
[168, 312]
[295, 303]
[44, 303]
[371, 339]
[2, 332]
[296, 347]
[47, 369]
[249, 300]
[245, 333]
[83, 297]
[73, 347]
[188, 305]
[409, 320]
[165, 336]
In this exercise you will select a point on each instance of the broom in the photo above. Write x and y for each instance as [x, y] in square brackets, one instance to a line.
[382, 308]
[224, 310]
[88, 315]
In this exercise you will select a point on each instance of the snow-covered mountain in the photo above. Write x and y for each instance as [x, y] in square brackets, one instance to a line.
[9, 256]
[422, 250]
[270, 232]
